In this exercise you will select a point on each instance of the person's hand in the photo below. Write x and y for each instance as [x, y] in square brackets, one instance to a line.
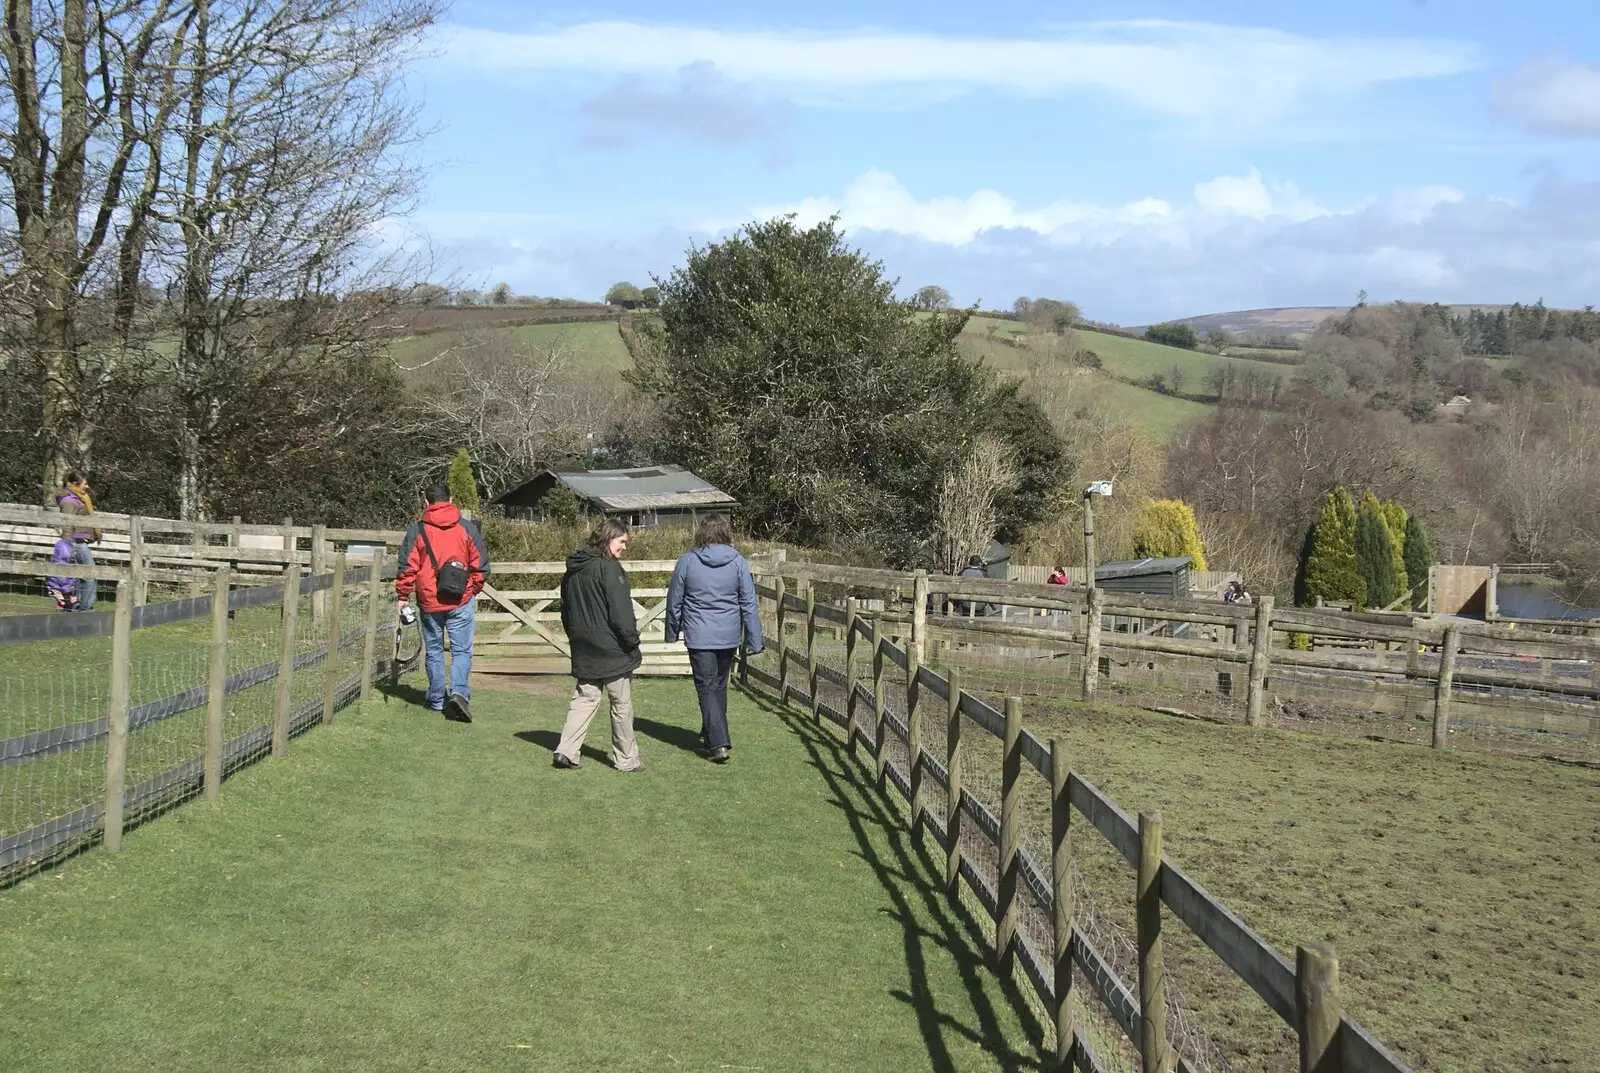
[755, 651]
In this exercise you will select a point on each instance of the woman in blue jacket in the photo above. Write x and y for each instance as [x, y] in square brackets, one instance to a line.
[711, 597]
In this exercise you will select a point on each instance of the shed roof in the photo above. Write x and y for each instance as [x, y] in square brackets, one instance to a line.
[1143, 567]
[639, 488]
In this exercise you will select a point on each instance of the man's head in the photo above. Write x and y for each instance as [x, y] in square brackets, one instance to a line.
[974, 561]
[437, 492]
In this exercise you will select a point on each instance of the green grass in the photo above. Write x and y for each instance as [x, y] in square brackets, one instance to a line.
[1139, 359]
[406, 894]
[1462, 889]
[1160, 413]
[594, 345]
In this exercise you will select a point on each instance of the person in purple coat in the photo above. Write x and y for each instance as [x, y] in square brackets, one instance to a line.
[64, 589]
[710, 601]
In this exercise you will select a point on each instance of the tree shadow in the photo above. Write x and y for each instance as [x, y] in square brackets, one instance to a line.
[911, 873]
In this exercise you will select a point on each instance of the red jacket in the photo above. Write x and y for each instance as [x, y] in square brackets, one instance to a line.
[450, 540]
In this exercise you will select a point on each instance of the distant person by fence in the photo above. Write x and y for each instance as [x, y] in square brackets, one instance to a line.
[443, 561]
[603, 634]
[74, 499]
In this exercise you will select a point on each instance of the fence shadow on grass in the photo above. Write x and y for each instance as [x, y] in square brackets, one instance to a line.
[911, 873]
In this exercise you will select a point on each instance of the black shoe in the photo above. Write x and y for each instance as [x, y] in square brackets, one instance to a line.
[565, 764]
[456, 710]
[720, 755]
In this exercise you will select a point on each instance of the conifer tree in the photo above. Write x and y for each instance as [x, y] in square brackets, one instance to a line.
[1166, 529]
[1419, 560]
[463, 488]
[1394, 517]
[1375, 555]
[1330, 566]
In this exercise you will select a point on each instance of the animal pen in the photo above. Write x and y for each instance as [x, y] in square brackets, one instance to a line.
[218, 653]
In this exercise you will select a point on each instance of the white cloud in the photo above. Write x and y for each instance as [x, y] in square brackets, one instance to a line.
[702, 105]
[1551, 97]
[1239, 244]
[877, 201]
[1198, 71]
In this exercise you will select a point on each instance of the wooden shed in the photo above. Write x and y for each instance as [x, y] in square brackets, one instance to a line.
[644, 496]
[1151, 577]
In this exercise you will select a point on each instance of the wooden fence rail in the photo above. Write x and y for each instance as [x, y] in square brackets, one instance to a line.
[1304, 995]
[1545, 682]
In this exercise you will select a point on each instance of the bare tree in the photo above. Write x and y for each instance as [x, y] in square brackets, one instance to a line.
[290, 149]
[86, 96]
[516, 409]
[967, 500]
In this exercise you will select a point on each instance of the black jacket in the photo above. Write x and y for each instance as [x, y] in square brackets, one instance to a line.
[597, 613]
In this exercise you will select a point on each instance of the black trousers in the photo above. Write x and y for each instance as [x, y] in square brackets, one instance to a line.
[711, 667]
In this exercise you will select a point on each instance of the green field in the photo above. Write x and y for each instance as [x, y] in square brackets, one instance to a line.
[593, 345]
[405, 894]
[1462, 890]
[1138, 359]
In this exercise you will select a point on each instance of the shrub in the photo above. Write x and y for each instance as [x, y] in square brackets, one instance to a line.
[1169, 334]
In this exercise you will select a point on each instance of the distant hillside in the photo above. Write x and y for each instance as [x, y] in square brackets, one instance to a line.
[1289, 320]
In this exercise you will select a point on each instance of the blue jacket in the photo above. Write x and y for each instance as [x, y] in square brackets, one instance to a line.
[711, 595]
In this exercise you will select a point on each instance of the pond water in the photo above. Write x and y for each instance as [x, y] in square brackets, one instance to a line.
[1533, 600]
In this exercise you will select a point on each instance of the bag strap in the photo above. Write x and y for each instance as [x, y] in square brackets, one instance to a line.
[427, 545]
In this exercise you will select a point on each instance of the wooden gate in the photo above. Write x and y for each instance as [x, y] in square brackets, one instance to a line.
[520, 633]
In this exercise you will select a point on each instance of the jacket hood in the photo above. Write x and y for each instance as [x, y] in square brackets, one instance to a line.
[717, 554]
[441, 515]
[583, 557]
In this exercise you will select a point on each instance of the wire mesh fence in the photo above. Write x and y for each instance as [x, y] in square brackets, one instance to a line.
[60, 712]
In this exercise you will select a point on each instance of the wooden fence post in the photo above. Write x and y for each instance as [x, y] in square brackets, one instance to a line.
[330, 690]
[289, 541]
[919, 616]
[197, 581]
[319, 566]
[369, 643]
[1441, 694]
[117, 714]
[1317, 1008]
[217, 691]
[1010, 865]
[1065, 904]
[1091, 645]
[783, 645]
[880, 724]
[285, 696]
[811, 653]
[850, 608]
[952, 811]
[1147, 921]
[914, 735]
[235, 538]
[136, 564]
[1260, 661]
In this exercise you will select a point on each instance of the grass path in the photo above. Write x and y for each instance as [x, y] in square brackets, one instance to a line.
[406, 894]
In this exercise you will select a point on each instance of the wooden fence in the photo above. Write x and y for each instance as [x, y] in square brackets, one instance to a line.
[105, 816]
[1305, 994]
[1489, 674]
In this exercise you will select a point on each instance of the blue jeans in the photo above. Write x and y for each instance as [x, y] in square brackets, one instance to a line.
[82, 554]
[461, 624]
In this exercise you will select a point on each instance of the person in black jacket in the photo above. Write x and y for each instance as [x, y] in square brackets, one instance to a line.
[597, 613]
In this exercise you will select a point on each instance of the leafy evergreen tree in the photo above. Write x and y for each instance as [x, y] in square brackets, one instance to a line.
[1394, 518]
[463, 488]
[560, 505]
[1330, 567]
[1419, 560]
[1167, 528]
[791, 378]
[1375, 556]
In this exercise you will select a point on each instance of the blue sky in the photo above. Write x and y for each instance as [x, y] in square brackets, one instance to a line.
[1146, 160]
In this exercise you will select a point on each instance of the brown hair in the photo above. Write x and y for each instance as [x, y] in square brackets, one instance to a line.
[605, 531]
[714, 529]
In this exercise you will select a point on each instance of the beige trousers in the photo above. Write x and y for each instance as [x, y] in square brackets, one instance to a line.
[585, 702]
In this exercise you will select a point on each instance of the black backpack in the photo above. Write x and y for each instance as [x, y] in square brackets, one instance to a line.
[452, 578]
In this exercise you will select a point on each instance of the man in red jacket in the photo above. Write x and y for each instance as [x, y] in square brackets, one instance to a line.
[443, 560]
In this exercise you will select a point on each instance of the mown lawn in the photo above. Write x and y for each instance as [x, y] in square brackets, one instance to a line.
[405, 894]
[1462, 890]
